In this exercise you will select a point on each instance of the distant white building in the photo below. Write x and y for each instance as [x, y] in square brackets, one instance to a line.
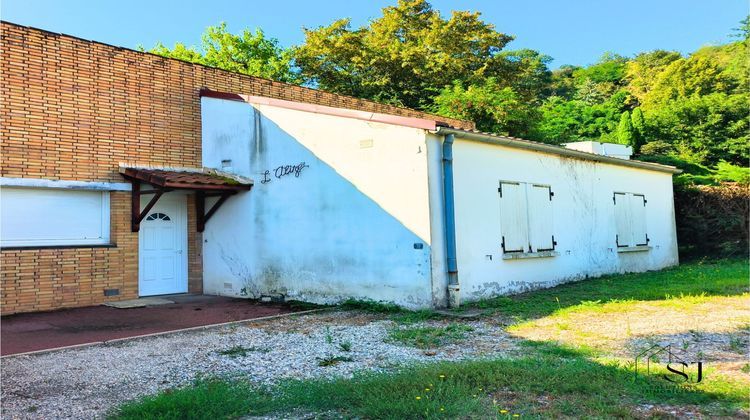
[352, 204]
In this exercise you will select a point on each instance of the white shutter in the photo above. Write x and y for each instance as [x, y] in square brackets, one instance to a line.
[513, 217]
[48, 217]
[638, 219]
[622, 220]
[540, 217]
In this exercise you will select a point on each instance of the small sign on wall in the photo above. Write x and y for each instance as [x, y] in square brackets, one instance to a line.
[283, 171]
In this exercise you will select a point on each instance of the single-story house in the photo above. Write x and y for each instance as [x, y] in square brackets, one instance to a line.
[126, 174]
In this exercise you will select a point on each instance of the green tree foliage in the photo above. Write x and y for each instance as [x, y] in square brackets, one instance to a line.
[642, 70]
[639, 128]
[625, 131]
[406, 56]
[248, 53]
[705, 129]
[492, 107]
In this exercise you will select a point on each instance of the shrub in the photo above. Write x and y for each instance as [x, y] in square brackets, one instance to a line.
[712, 220]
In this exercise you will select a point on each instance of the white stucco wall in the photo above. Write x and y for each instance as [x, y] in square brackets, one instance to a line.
[583, 213]
[343, 224]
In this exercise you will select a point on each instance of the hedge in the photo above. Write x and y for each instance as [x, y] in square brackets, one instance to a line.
[712, 221]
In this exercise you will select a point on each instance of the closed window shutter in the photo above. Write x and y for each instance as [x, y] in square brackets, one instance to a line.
[622, 220]
[540, 218]
[513, 217]
[638, 219]
[49, 217]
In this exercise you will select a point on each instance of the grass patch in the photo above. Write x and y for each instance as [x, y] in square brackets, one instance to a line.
[371, 306]
[550, 382]
[429, 336]
[298, 305]
[205, 399]
[395, 312]
[715, 278]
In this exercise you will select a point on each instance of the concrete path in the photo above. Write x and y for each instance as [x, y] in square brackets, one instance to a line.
[22, 333]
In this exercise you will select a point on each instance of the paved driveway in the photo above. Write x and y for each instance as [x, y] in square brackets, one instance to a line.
[45, 330]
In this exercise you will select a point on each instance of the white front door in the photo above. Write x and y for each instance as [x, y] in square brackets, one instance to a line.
[162, 247]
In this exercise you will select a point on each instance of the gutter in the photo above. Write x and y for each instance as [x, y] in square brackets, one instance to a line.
[449, 219]
[551, 149]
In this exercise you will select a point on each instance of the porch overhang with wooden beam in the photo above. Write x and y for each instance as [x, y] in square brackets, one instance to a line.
[205, 182]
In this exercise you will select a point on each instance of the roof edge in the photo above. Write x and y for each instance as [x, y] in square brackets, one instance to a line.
[413, 122]
[552, 149]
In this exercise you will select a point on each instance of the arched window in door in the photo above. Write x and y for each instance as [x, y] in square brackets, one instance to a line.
[158, 216]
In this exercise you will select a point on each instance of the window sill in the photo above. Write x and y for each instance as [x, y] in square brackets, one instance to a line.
[526, 255]
[639, 248]
[25, 247]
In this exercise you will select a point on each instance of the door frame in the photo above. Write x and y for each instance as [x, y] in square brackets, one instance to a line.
[178, 203]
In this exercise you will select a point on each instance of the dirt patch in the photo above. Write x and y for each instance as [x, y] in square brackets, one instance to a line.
[710, 329]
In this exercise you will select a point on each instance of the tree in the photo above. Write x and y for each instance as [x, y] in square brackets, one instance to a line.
[684, 78]
[705, 129]
[625, 132]
[639, 129]
[641, 71]
[743, 31]
[405, 57]
[248, 53]
[492, 107]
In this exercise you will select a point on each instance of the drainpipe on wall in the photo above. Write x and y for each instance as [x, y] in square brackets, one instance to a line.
[454, 293]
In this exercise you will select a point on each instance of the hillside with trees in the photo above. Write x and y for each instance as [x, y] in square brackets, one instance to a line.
[686, 110]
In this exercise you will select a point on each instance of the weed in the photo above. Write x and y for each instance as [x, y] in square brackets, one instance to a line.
[241, 351]
[736, 344]
[429, 336]
[685, 345]
[371, 306]
[333, 360]
[345, 346]
[745, 368]
[329, 337]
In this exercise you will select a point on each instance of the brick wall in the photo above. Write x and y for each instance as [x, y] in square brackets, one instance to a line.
[72, 109]
[195, 249]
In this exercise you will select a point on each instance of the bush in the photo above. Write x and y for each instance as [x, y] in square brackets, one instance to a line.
[712, 220]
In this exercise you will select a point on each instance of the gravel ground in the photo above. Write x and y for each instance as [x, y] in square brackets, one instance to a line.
[88, 382]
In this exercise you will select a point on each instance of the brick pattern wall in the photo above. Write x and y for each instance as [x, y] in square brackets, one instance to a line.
[72, 109]
[195, 249]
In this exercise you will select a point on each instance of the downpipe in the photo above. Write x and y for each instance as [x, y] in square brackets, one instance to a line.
[449, 218]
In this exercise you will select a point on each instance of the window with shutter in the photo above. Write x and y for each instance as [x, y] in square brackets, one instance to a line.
[630, 219]
[624, 237]
[513, 216]
[540, 218]
[526, 217]
[53, 217]
[638, 219]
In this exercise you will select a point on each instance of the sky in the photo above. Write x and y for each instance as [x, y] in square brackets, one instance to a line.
[570, 31]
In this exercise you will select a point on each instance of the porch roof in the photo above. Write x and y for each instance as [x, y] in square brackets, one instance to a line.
[205, 182]
[188, 179]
